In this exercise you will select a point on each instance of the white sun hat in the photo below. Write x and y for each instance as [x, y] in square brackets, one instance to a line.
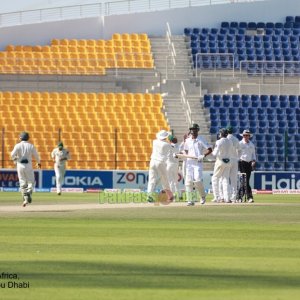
[246, 132]
[162, 135]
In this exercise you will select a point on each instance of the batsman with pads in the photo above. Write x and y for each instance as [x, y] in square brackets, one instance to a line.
[194, 148]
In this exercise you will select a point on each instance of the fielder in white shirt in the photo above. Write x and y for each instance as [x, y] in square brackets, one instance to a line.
[158, 165]
[22, 155]
[234, 167]
[195, 146]
[60, 155]
[173, 166]
[221, 172]
[181, 150]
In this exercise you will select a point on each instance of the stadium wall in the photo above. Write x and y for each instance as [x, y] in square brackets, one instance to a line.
[153, 23]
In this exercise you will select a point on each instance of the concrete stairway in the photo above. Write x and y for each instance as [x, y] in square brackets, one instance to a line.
[174, 76]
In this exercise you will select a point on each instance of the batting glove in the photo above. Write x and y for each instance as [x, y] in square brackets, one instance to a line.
[200, 158]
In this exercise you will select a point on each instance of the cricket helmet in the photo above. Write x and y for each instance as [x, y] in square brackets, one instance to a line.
[195, 126]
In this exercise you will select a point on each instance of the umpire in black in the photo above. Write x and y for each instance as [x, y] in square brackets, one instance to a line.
[247, 160]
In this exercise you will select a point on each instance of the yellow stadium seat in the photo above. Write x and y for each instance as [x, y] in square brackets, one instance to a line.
[116, 36]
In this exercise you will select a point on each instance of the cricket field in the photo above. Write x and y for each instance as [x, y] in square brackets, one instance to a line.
[73, 247]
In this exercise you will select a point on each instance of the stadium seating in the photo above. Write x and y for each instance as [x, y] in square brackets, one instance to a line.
[237, 44]
[102, 131]
[269, 117]
[71, 56]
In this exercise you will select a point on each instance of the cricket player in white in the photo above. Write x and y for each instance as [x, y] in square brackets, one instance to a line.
[195, 146]
[22, 155]
[173, 166]
[234, 167]
[222, 153]
[181, 150]
[60, 155]
[158, 164]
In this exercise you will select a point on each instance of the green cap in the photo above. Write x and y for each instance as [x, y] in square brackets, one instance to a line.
[229, 129]
[60, 144]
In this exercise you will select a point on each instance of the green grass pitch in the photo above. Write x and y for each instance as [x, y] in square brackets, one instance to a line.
[228, 252]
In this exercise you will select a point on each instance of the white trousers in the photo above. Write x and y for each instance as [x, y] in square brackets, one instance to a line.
[193, 177]
[221, 178]
[233, 178]
[26, 178]
[157, 169]
[172, 170]
[60, 171]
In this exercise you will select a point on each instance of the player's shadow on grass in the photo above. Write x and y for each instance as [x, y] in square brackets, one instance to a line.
[120, 275]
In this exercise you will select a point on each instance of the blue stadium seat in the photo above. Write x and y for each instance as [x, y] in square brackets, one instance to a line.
[260, 145]
[264, 100]
[283, 99]
[293, 101]
[278, 137]
[217, 100]
[289, 166]
[236, 100]
[268, 166]
[271, 157]
[292, 158]
[282, 124]
[270, 150]
[279, 150]
[207, 101]
[278, 166]
[271, 112]
[243, 25]
[246, 102]
[260, 137]
[214, 130]
[297, 166]
[274, 100]
[270, 25]
[255, 101]
[278, 31]
[234, 125]
[196, 30]
[233, 117]
[261, 158]
[259, 166]
[290, 113]
[292, 130]
[272, 124]
[187, 31]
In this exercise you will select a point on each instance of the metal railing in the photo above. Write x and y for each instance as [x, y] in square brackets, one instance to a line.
[101, 9]
[186, 104]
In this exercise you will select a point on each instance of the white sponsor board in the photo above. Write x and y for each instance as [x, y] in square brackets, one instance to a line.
[139, 180]
[68, 190]
[286, 191]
